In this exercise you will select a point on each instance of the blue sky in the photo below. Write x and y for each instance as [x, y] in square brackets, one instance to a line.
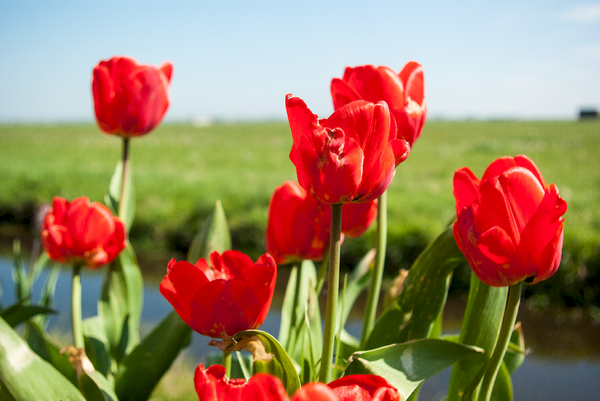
[238, 60]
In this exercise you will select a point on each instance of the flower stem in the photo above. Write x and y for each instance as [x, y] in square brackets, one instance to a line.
[377, 277]
[508, 324]
[332, 293]
[322, 271]
[124, 180]
[227, 363]
[78, 341]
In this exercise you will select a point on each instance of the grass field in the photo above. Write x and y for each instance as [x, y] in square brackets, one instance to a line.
[181, 170]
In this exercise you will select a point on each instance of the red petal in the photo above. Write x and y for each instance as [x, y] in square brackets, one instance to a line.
[315, 392]
[187, 280]
[342, 93]
[413, 79]
[496, 245]
[523, 193]
[167, 70]
[264, 387]
[465, 188]
[494, 210]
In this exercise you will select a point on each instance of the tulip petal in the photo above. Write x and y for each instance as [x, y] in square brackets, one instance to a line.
[342, 93]
[494, 210]
[526, 162]
[465, 188]
[167, 70]
[496, 245]
[413, 78]
[90, 225]
[541, 230]
[523, 193]
[264, 387]
[228, 306]
[315, 392]
[187, 280]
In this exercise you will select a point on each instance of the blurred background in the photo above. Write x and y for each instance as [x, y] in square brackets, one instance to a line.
[237, 60]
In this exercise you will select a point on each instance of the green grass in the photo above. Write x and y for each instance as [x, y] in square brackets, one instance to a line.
[181, 170]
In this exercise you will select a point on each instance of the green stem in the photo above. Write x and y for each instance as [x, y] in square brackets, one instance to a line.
[333, 281]
[227, 363]
[322, 271]
[508, 324]
[376, 279]
[76, 307]
[124, 199]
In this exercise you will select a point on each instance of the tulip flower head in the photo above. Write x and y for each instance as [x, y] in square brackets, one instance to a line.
[350, 156]
[404, 93]
[510, 224]
[230, 295]
[212, 385]
[80, 232]
[298, 225]
[130, 99]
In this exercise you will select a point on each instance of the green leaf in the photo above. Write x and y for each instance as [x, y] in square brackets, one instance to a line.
[300, 330]
[113, 196]
[288, 309]
[481, 326]
[120, 304]
[413, 314]
[140, 371]
[503, 390]
[357, 282]
[19, 313]
[406, 365]
[39, 343]
[268, 356]
[96, 387]
[48, 291]
[20, 367]
[38, 266]
[515, 353]
[214, 236]
[96, 344]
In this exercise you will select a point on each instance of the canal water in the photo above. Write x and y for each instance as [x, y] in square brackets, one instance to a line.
[541, 377]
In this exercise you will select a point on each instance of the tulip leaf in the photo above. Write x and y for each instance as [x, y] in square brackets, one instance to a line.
[268, 357]
[20, 312]
[96, 344]
[515, 353]
[120, 304]
[48, 291]
[407, 365]
[288, 309]
[213, 236]
[503, 390]
[357, 282]
[414, 312]
[140, 371]
[300, 330]
[481, 326]
[39, 343]
[113, 196]
[26, 376]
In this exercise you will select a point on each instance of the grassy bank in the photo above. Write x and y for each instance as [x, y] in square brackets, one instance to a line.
[181, 170]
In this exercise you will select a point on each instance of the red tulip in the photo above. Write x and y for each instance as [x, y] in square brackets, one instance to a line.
[510, 224]
[364, 388]
[212, 385]
[80, 232]
[349, 157]
[403, 93]
[230, 295]
[298, 224]
[130, 99]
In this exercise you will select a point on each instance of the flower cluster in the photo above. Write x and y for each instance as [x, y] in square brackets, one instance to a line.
[80, 232]
[212, 384]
